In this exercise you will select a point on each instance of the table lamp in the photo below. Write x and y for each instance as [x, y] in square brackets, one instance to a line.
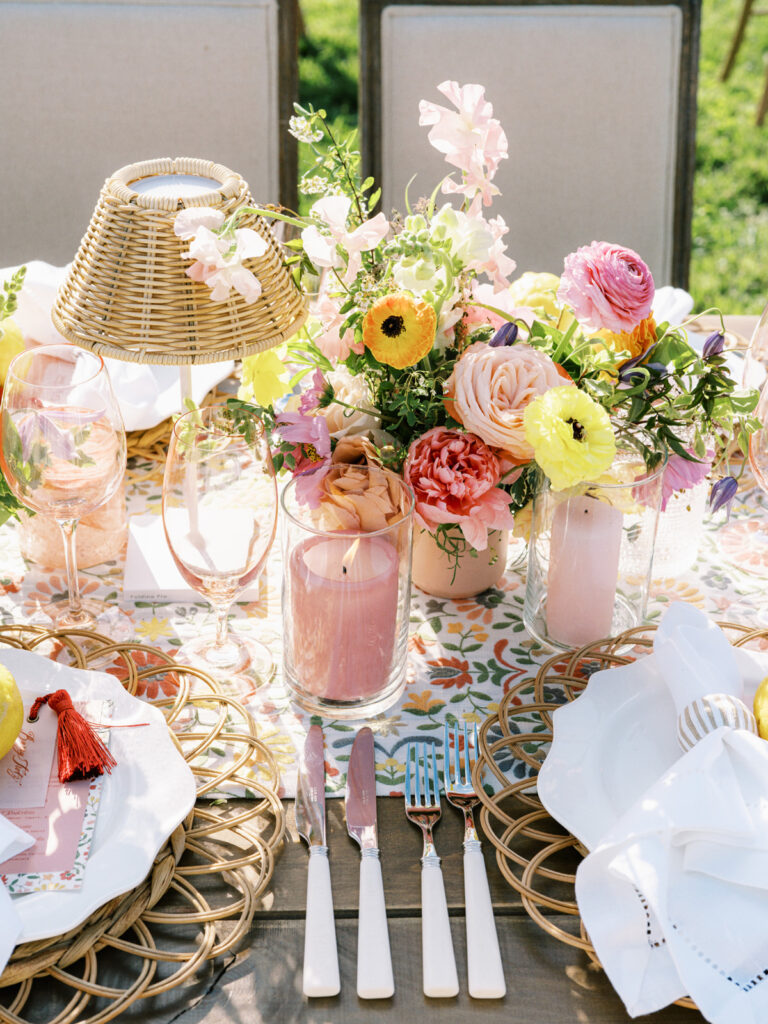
[127, 294]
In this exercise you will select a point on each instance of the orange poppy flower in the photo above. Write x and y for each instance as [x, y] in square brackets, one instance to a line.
[399, 330]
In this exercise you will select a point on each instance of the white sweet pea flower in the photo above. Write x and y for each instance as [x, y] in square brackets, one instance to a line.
[218, 259]
[186, 222]
[323, 248]
[470, 237]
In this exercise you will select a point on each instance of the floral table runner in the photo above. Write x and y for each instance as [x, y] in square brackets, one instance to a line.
[463, 655]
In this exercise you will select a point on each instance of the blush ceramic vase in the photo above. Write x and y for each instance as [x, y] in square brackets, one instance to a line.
[461, 573]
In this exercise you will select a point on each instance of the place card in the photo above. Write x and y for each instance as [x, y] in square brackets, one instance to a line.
[63, 825]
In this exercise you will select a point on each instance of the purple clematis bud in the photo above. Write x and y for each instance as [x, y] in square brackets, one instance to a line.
[714, 345]
[506, 335]
[723, 493]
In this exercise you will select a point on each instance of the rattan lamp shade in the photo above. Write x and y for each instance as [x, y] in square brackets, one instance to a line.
[127, 295]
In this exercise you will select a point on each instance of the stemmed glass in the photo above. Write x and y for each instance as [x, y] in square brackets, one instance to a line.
[219, 514]
[63, 450]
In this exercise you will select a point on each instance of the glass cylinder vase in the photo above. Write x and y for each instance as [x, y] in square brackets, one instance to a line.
[590, 554]
[346, 592]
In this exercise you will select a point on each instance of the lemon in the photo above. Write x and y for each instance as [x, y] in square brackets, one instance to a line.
[11, 343]
[11, 711]
[760, 708]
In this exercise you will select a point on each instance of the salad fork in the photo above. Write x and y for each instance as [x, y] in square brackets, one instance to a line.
[422, 807]
[484, 969]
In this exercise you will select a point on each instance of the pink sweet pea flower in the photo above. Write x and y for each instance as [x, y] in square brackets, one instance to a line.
[607, 286]
[469, 137]
[332, 343]
[487, 295]
[454, 477]
[311, 452]
[311, 396]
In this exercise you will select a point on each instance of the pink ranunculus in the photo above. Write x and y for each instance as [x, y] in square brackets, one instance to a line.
[607, 286]
[454, 477]
[490, 387]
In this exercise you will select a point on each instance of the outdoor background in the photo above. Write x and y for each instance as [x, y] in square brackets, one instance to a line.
[729, 265]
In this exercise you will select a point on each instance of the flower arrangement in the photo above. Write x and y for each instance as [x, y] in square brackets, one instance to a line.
[422, 355]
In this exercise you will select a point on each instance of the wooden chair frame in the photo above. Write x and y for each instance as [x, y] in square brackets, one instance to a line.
[371, 112]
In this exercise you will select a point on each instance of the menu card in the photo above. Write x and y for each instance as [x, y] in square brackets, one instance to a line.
[61, 816]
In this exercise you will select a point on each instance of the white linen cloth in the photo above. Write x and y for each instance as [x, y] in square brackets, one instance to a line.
[674, 897]
[146, 394]
[671, 304]
[12, 842]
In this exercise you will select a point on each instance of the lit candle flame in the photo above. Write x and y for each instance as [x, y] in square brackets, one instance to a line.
[350, 556]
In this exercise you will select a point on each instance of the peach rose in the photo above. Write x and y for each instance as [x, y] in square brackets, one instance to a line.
[360, 497]
[490, 387]
[454, 477]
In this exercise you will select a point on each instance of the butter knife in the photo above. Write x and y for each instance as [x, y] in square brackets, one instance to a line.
[374, 961]
[321, 961]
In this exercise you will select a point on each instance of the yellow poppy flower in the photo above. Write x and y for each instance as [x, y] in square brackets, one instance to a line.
[399, 330]
[571, 436]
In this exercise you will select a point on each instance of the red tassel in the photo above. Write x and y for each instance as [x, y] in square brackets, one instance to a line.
[82, 755]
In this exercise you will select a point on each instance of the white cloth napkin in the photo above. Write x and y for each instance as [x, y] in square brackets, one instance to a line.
[671, 304]
[675, 895]
[12, 842]
[146, 394]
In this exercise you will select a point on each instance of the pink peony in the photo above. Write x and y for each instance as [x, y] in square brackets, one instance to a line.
[490, 388]
[607, 286]
[454, 478]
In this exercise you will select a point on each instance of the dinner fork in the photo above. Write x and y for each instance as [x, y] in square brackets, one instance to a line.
[422, 807]
[484, 970]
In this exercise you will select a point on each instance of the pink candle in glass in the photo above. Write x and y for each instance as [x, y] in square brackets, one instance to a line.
[343, 614]
[583, 570]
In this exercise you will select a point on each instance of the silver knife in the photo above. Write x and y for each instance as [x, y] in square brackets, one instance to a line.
[374, 960]
[321, 961]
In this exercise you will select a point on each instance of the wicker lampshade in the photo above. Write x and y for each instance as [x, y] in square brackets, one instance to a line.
[127, 294]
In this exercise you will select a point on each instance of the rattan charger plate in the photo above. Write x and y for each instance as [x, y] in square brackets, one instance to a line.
[199, 898]
[536, 855]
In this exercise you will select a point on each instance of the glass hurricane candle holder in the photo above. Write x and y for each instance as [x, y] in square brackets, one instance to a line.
[346, 599]
[590, 554]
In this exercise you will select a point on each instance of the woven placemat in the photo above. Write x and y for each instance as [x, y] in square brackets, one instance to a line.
[535, 854]
[199, 898]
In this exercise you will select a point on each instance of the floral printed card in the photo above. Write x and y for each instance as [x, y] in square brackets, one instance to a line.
[62, 827]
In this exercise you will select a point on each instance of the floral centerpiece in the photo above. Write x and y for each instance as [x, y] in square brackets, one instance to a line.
[421, 354]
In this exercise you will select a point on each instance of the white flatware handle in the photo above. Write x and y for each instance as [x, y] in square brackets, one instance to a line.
[321, 961]
[374, 960]
[485, 973]
[439, 963]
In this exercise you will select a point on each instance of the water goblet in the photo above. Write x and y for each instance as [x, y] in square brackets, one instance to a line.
[63, 453]
[219, 515]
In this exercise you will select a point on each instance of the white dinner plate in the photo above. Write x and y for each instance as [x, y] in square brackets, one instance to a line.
[148, 794]
[614, 741]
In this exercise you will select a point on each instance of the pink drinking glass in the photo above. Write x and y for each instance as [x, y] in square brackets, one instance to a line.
[63, 451]
[219, 514]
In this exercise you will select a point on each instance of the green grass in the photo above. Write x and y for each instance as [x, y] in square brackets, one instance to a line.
[729, 265]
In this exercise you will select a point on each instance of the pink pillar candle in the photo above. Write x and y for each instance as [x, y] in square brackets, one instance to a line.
[344, 595]
[583, 570]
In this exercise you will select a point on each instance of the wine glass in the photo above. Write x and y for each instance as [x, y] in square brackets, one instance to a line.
[63, 451]
[219, 514]
[755, 371]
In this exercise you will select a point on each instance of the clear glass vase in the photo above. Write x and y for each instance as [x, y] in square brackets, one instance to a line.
[591, 551]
